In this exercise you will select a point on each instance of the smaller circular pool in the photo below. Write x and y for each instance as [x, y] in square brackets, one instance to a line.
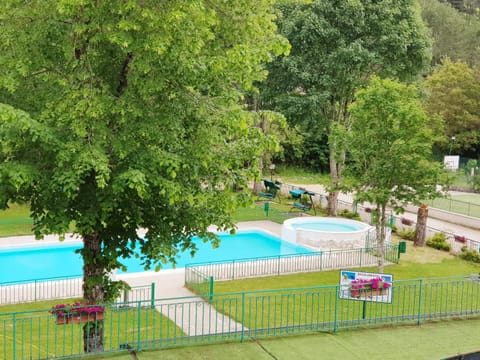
[325, 233]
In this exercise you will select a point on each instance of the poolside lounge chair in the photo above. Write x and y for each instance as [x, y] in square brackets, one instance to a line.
[298, 204]
[271, 190]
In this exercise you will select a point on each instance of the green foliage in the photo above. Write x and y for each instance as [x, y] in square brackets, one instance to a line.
[470, 255]
[452, 97]
[406, 233]
[455, 35]
[349, 214]
[336, 46]
[475, 181]
[439, 241]
[390, 145]
[125, 115]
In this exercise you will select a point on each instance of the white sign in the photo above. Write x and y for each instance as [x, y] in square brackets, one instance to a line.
[366, 286]
[451, 162]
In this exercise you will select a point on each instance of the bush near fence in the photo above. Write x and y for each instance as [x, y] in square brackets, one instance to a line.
[257, 314]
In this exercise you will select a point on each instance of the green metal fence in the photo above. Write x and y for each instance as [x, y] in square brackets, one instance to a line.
[237, 317]
[455, 206]
[197, 275]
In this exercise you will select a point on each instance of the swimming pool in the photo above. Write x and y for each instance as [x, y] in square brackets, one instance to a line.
[325, 233]
[60, 260]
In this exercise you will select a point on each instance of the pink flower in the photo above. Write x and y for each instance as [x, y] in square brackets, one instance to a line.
[60, 310]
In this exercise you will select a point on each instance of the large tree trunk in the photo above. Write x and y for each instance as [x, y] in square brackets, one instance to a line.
[332, 203]
[421, 227]
[380, 227]
[93, 291]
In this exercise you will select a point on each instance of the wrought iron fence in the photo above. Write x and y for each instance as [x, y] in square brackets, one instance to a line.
[240, 316]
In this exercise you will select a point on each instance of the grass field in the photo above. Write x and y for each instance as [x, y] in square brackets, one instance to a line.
[428, 341]
[38, 336]
[416, 263]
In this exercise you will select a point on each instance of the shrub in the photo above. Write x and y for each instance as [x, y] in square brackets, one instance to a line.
[349, 214]
[407, 234]
[470, 255]
[439, 242]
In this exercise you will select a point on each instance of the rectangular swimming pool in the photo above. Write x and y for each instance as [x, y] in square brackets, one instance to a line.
[60, 260]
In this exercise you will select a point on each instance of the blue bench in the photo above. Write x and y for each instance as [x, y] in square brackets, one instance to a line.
[271, 190]
[297, 205]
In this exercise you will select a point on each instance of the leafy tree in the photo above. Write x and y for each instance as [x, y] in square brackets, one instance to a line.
[120, 115]
[452, 94]
[390, 144]
[455, 35]
[276, 134]
[336, 46]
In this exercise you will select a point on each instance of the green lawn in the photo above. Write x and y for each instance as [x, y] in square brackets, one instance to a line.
[417, 263]
[15, 221]
[38, 336]
[467, 204]
[277, 298]
[296, 175]
[277, 212]
[428, 341]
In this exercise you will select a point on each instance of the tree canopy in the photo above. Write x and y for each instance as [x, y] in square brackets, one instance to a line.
[390, 146]
[119, 115]
[336, 47]
[455, 35]
[452, 93]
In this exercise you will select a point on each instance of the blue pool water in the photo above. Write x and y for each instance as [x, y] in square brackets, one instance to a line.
[59, 260]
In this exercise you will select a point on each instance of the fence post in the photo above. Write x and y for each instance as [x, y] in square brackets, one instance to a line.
[337, 289]
[420, 302]
[152, 296]
[139, 304]
[278, 268]
[210, 291]
[14, 336]
[242, 339]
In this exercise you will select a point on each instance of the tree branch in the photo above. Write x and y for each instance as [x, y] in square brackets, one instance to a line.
[123, 81]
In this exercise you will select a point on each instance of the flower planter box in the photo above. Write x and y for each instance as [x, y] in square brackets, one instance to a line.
[79, 318]
[367, 293]
[460, 238]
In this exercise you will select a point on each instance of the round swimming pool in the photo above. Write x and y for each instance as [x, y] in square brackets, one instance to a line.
[323, 233]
